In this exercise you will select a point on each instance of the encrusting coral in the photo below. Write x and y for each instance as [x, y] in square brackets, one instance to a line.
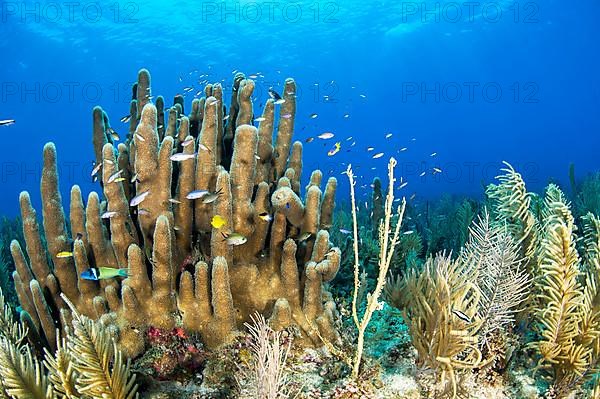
[161, 189]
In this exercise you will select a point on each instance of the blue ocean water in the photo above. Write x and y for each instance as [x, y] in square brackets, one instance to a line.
[473, 83]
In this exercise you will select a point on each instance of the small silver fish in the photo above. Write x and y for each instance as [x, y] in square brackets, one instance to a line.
[96, 169]
[260, 119]
[138, 199]
[139, 137]
[325, 136]
[192, 195]
[209, 198]
[344, 231]
[108, 215]
[187, 142]
[378, 155]
[304, 236]
[115, 176]
[180, 156]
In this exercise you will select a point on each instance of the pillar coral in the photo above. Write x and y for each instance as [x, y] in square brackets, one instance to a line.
[182, 272]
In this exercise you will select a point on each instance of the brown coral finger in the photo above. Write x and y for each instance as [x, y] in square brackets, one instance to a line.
[285, 129]
[243, 164]
[44, 313]
[36, 251]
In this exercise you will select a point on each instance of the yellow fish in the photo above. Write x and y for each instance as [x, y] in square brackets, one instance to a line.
[218, 221]
[265, 216]
[335, 149]
[64, 254]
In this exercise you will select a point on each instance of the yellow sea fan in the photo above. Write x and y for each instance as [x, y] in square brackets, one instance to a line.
[512, 205]
[93, 353]
[440, 304]
[61, 372]
[566, 331]
[555, 195]
[22, 375]
[591, 242]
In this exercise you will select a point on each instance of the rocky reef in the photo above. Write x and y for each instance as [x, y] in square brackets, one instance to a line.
[160, 191]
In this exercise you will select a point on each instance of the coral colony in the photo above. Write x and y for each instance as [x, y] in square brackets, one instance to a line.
[203, 269]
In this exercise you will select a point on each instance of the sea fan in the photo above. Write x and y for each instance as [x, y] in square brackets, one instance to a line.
[503, 281]
[568, 315]
[591, 242]
[268, 379]
[440, 304]
[102, 372]
[22, 374]
[61, 372]
[560, 293]
[556, 205]
[511, 204]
